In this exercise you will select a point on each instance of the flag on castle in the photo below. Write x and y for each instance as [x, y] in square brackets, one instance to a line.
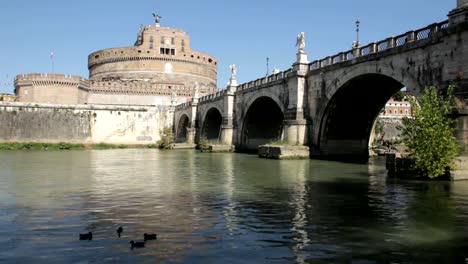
[51, 55]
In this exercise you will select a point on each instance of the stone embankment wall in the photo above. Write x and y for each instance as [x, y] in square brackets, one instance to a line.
[25, 122]
[391, 127]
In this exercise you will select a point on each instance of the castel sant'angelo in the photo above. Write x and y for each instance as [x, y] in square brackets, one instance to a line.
[159, 69]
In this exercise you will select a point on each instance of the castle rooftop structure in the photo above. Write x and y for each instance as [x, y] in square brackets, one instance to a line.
[159, 69]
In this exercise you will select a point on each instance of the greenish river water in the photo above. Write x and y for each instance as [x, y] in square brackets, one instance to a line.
[222, 208]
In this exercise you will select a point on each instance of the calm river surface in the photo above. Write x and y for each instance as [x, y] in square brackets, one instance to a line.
[222, 208]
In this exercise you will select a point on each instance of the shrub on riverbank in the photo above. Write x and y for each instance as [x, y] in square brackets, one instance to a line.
[167, 139]
[429, 134]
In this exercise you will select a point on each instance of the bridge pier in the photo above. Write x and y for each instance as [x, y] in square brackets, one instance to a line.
[295, 124]
[227, 128]
[190, 135]
[192, 129]
[459, 14]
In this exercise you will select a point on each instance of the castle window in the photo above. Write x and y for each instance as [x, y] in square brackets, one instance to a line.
[161, 51]
[96, 57]
[173, 41]
[173, 52]
[162, 40]
[210, 60]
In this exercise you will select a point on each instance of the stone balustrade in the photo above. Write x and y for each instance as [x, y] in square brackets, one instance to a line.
[380, 46]
[265, 80]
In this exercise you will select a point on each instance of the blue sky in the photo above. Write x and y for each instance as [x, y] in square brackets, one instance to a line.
[241, 32]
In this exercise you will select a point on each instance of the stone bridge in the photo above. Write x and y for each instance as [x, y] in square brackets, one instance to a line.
[331, 104]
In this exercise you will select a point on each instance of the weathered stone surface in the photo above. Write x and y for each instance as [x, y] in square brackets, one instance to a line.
[184, 146]
[220, 148]
[25, 122]
[459, 175]
[283, 152]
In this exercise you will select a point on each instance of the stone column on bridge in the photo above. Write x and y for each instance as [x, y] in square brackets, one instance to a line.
[459, 14]
[295, 125]
[227, 127]
[191, 131]
[461, 3]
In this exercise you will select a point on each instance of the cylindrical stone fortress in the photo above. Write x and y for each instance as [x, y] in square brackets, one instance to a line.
[161, 63]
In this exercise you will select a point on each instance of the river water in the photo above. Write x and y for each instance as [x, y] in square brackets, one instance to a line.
[222, 208]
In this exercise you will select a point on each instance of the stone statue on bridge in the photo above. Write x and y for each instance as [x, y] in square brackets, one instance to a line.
[300, 42]
[233, 71]
[174, 98]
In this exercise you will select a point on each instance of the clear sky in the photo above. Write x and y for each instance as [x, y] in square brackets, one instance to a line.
[241, 32]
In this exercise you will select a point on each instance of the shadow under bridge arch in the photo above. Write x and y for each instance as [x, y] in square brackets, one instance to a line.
[263, 123]
[181, 132]
[349, 116]
[211, 129]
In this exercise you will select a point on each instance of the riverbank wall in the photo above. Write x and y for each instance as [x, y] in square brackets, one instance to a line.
[53, 123]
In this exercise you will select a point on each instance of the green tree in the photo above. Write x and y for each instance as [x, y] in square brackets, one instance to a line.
[399, 95]
[429, 133]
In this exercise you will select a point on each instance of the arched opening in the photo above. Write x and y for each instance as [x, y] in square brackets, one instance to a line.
[263, 123]
[348, 119]
[212, 124]
[181, 136]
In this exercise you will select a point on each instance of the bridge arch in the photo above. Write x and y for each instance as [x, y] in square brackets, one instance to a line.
[262, 123]
[181, 129]
[212, 121]
[399, 74]
[348, 116]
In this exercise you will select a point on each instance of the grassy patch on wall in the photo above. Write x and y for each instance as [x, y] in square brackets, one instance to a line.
[60, 146]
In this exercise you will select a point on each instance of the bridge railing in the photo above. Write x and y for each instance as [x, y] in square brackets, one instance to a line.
[183, 105]
[212, 96]
[264, 80]
[379, 46]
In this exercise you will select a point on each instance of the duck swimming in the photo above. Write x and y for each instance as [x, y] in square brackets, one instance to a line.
[86, 236]
[138, 244]
[150, 236]
[119, 230]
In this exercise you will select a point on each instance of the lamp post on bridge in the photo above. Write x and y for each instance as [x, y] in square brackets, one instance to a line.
[357, 32]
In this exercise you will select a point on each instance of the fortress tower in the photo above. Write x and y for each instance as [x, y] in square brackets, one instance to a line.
[161, 64]
[160, 68]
